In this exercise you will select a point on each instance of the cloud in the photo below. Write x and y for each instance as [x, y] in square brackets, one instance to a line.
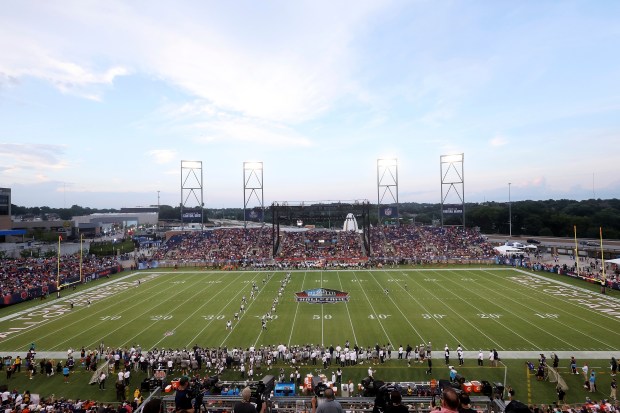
[209, 124]
[498, 141]
[163, 156]
[30, 163]
[264, 66]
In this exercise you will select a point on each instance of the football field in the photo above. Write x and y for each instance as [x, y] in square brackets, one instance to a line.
[505, 309]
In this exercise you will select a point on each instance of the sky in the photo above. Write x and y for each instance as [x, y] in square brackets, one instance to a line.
[101, 101]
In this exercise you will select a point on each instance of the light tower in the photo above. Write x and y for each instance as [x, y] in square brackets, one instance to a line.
[452, 175]
[191, 193]
[253, 190]
[387, 190]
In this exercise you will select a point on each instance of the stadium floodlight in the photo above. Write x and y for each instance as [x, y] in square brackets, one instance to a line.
[387, 162]
[452, 158]
[191, 164]
[252, 165]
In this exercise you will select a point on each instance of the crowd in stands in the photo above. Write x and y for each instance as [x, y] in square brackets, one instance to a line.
[17, 275]
[320, 244]
[218, 245]
[428, 244]
[388, 244]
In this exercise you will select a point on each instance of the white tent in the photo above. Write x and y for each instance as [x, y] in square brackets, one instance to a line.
[614, 261]
[507, 249]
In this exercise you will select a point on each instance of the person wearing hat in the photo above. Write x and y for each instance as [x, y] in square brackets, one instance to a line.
[183, 397]
[244, 406]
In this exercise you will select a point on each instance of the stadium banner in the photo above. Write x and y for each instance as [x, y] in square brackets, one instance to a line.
[388, 212]
[255, 214]
[28, 294]
[452, 208]
[191, 215]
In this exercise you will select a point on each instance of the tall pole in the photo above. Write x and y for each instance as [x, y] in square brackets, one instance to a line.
[81, 254]
[509, 212]
[58, 269]
[157, 224]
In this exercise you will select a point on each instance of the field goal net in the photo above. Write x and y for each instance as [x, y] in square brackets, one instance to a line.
[103, 368]
[555, 377]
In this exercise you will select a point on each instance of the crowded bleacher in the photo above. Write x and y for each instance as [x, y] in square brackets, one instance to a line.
[23, 274]
[388, 244]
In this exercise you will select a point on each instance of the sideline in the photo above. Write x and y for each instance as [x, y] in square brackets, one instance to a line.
[55, 301]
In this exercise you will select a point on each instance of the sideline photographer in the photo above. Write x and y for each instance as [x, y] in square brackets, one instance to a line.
[328, 403]
[245, 406]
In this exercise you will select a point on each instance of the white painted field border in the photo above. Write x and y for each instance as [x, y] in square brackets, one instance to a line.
[68, 297]
[373, 309]
[566, 300]
[496, 320]
[34, 325]
[505, 297]
[347, 307]
[569, 327]
[429, 292]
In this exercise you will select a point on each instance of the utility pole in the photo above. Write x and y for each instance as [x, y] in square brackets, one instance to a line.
[509, 212]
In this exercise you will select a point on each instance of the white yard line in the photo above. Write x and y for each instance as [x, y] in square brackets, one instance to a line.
[373, 310]
[296, 311]
[568, 327]
[401, 312]
[193, 340]
[347, 307]
[497, 320]
[428, 292]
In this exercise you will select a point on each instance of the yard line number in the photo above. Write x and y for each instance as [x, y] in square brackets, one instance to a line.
[489, 315]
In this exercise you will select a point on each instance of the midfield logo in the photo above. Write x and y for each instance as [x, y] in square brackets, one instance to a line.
[321, 296]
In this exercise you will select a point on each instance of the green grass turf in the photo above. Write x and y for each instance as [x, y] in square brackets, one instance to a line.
[476, 308]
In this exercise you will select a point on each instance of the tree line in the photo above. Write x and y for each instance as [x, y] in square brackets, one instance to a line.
[535, 218]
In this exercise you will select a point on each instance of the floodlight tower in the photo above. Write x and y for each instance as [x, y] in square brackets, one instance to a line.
[191, 190]
[452, 176]
[253, 189]
[387, 189]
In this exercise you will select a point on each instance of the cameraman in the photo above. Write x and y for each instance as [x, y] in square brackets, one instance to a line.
[328, 404]
[183, 397]
[395, 404]
[244, 406]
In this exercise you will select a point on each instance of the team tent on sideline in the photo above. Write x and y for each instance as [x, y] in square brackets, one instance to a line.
[507, 249]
